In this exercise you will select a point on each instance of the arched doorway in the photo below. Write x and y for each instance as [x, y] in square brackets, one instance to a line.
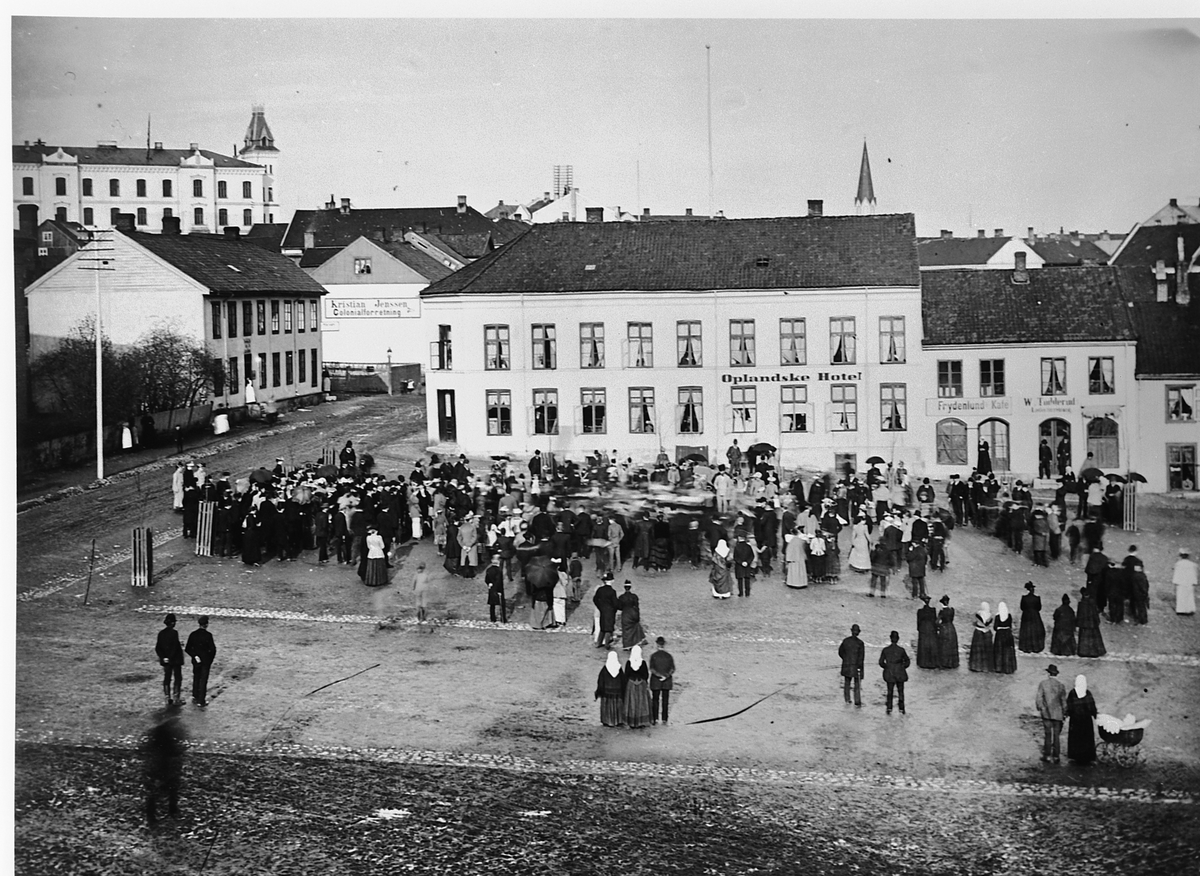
[952, 442]
[1102, 442]
[1058, 435]
[995, 433]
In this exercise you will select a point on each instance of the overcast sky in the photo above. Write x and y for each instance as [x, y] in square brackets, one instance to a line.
[1084, 124]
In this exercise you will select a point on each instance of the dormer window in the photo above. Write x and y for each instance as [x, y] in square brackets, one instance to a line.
[762, 262]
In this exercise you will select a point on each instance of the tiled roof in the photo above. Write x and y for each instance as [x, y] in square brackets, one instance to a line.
[425, 265]
[1057, 304]
[505, 231]
[467, 246]
[1065, 251]
[784, 253]
[1167, 334]
[334, 228]
[1149, 243]
[228, 266]
[939, 251]
[267, 235]
[123, 156]
[314, 258]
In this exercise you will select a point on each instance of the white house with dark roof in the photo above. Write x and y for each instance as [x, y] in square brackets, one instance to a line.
[206, 191]
[998, 252]
[683, 336]
[255, 310]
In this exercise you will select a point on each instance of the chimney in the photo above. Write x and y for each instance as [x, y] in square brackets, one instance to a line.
[1020, 274]
[1180, 251]
[999, 232]
[1160, 281]
[688, 211]
[1174, 202]
[947, 234]
[331, 203]
[125, 222]
[594, 214]
[195, 147]
[158, 146]
[1182, 295]
[310, 240]
[28, 221]
[26, 144]
[1029, 236]
[645, 211]
[232, 232]
[982, 233]
[170, 225]
[1104, 235]
[462, 204]
[816, 208]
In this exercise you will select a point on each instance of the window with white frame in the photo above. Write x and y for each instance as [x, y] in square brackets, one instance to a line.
[495, 348]
[793, 342]
[891, 339]
[545, 412]
[744, 401]
[843, 407]
[1100, 375]
[362, 266]
[641, 410]
[640, 338]
[842, 341]
[893, 407]
[991, 377]
[591, 345]
[1054, 375]
[793, 408]
[499, 412]
[951, 439]
[949, 378]
[594, 402]
[741, 342]
[545, 347]
[688, 348]
[690, 415]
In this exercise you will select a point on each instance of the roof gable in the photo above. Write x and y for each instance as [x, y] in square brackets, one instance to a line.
[1149, 243]
[1067, 251]
[955, 251]
[230, 266]
[780, 253]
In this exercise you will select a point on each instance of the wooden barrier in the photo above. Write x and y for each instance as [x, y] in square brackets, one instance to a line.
[204, 529]
[329, 456]
[143, 557]
[1129, 519]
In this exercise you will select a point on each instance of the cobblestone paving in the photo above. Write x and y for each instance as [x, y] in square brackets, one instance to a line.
[104, 562]
[513, 763]
[257, 614]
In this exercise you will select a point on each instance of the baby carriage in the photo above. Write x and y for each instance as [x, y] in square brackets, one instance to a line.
[1119, 740]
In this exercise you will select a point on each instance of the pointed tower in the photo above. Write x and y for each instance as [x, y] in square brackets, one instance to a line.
[866, 191]
[259, 148]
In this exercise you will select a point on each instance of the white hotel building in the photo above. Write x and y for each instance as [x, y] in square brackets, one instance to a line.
[802, 332]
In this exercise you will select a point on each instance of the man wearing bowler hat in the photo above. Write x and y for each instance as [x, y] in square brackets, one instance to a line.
[1051, 703]
[852, 652]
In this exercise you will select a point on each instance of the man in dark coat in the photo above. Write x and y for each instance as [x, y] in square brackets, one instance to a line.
[203, 650]
[606, 601]
[494, 578]
[743, 565]
[894, 661]
[170, 658]
[1045, 457]
[958, 493]
[662, 680]
[1018, 523]
[191, 510]
[852, 652]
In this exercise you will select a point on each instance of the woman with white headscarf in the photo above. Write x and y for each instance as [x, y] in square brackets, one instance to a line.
[610, 688]
[1004, 649]
[980, 659]
[1081, 734]
[637, 690]
[719, 576]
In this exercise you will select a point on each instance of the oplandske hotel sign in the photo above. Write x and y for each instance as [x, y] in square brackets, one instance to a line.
[794, 377]
[959, 407]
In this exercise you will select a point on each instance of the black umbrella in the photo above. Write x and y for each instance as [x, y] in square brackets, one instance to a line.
[761, 448]
[1134, 476]
[695, 457]
[876, 460]
[260, 476]
[1091, 474]
[1117, 478]
[327, 471]
[500, 457]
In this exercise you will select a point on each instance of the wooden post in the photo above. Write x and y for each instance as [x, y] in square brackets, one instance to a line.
[1130, 515]
[204, 529]
[91, 566]
[143, 557]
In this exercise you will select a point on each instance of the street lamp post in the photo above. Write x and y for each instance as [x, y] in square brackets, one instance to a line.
[391, 387]
[97, 264]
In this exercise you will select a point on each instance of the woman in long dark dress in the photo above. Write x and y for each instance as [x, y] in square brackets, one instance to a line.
[1062, 639]
[928, 656]
[947, 637]
[1004, 650]
[1033, 632]
[637, 690]
[980, 658]
[1091, 643]
[1081, 734]
[610, 691]
[251, 544]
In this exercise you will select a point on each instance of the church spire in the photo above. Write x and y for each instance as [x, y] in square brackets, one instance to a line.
[866, 191]
[258, 134]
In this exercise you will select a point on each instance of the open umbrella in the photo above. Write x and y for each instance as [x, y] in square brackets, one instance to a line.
[761, 448]
[327, 471]
[1134, 476]
[260, 476]
[695, 457]
[1117, 478]
[501, 457]
[1091, 474]
[876, 460]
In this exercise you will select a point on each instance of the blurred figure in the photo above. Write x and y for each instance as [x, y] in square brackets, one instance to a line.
[163, 757]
